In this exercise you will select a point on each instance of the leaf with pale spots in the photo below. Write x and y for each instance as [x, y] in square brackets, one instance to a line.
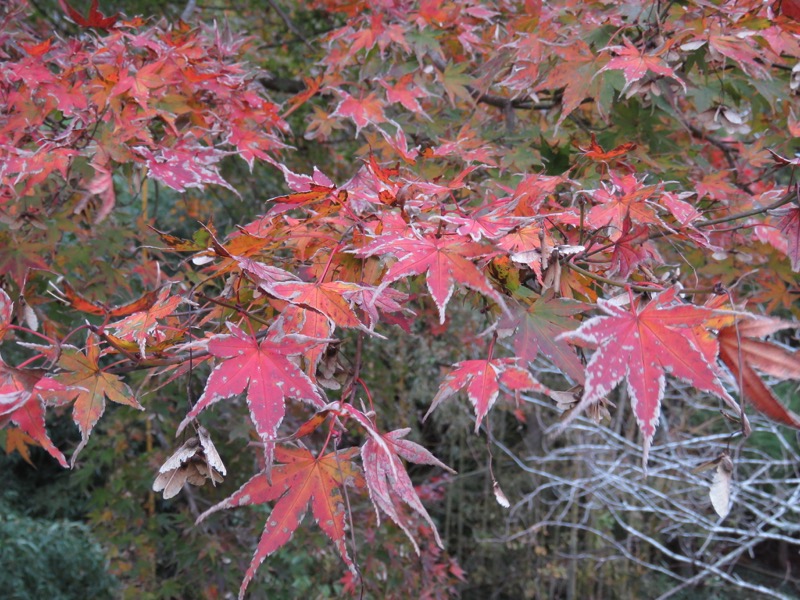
[144, 325]
[482, 379]
[263, 369]
[90, 386]
[446, 260]
[301, 479]
[21, 404]
[642, 343]
[388, 480]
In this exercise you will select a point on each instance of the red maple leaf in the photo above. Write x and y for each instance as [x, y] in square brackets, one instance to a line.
[362, 111]
[263, 369]
[82, 304]
[308, 324]
[90, 386]
[635, 64]
[185, 165]
[631, 248]
[387, 478]
[596, 152]
[324, 297]
[789, 225]
[405, 92]
[301, 480]
[744, 355]
[482, 379]
[626, 196]
[575, 73]
[21, 404]
[488, 223]
[143, 325]
[94, 18]
[6, 308]
[642, 344]
[446, 260]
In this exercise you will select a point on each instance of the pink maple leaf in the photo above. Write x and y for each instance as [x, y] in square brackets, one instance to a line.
[362, 111]
[642, 343]
[405, 92]
[789, 225]
[21, 404]
[263, 369]
[387, 478]
[482, 379]
[631, 248]
[635, 64]
[445, 260]
[625, 196]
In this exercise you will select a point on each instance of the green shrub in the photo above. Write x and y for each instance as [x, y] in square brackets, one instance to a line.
[57, 560]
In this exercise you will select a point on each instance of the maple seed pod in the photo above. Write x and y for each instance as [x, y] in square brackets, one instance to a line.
[194, 462]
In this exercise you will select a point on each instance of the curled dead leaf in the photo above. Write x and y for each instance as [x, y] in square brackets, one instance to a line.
[501, 498]
[720, 492]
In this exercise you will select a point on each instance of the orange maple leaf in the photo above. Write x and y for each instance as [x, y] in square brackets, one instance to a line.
[301, 480]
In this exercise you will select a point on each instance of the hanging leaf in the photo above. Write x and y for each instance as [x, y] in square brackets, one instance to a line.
[720, 492]
[482, 379]
[641, 344]
[300, 480]
[744, 355]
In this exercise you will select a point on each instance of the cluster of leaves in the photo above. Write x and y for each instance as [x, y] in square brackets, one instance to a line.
[450, 193]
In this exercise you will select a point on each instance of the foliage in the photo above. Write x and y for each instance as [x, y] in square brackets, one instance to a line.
[529, 181]
[51, 559]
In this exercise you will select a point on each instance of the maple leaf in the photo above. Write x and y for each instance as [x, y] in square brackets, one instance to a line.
[185, 165]
[789, 225]
[446, 260]
[89, 385]
[29, 418]
[299, 481]
[405, 92]
[635, 64]
[75, 300]
[94, 18]
[744, 355]
[139, 84]
[21, 404]
[362, 111]
[491, 224]
[574, 72]
[324, 297]
[482, 379]
[631, 248]
[538, 327]
[625, 197]
[20, 255]
[597, 153]
[456, 81]
[308, 324]
[142, 325]
[386, 477]
[265, 371]
[6, 308]
[641, 344]
[19, 441]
